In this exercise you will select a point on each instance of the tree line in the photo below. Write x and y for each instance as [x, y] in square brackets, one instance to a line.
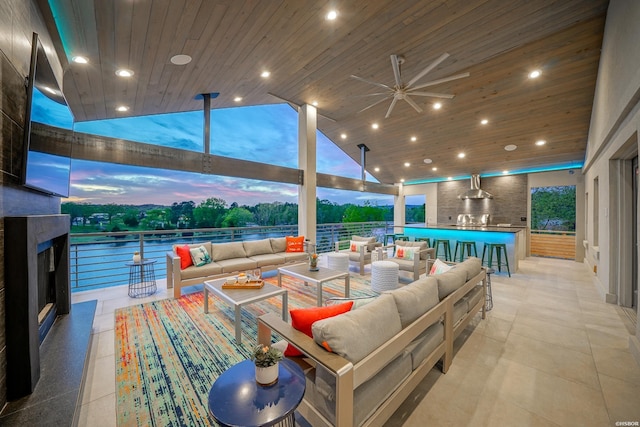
[216, 213]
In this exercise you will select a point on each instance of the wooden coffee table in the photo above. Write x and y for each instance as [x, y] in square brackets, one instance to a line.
[239, 297]
[302, 272]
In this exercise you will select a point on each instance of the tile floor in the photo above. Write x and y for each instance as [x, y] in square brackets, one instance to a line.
[550, 353]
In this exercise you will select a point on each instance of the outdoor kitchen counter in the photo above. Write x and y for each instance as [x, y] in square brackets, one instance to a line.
[515, 237]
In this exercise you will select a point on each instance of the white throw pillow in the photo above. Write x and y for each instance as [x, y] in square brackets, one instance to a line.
[439, 267]
[406, 252]
[355, 246]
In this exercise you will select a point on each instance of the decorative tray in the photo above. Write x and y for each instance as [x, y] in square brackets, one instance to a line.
[249, 285]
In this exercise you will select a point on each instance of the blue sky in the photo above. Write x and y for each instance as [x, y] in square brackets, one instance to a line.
[266, 134]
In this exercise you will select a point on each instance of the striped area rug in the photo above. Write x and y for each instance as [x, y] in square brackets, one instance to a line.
[169, 353]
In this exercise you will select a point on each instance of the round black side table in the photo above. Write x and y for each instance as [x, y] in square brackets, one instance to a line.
[142, 278]
[235, 399]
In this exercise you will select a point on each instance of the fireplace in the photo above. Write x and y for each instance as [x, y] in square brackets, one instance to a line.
[37, 291]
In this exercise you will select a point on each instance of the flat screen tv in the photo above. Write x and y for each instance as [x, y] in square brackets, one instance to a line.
[45, 170]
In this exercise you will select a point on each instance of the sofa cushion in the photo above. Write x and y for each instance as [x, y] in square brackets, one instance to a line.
[355, 256]
[450, 281]
[405, 264]
[278, 244]
[419, 245]
[295, 244]
[294, 256]
[406, 252]
[303, 318]
[268, 259]
[185, 256]
[237, 264]
[206, 270]
[222, 251]
[425, 343]
[371, 241]
[257, 247]
[347, 334]
[415, 299]
[471, 266]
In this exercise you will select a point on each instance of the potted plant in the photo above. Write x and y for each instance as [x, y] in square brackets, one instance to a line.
[266, 359]
[313, 261]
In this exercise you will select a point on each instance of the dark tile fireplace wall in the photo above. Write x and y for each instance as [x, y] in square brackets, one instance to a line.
[508, 206]
[18, 19]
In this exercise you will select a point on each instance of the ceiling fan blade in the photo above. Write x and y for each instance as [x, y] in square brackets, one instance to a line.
[396, 70]
[370, 82]
[442, 80]
[393, 103]
[373, 105]
[433, 94]
[413, 104]
[433, 65]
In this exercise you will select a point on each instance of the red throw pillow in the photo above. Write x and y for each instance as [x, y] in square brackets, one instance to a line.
[295, 244]
[303, 318]
[185, 256]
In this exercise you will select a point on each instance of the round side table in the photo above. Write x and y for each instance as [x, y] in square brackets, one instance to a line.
[142, 278]
[384, 276]
[235, 399]
[338, 261]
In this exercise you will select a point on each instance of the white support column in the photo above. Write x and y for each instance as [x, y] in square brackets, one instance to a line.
[399, 209]
[307, 125]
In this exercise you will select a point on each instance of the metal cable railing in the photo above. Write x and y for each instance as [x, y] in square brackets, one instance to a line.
[98, 260]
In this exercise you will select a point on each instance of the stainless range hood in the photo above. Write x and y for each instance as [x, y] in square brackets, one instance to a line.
[475, 192]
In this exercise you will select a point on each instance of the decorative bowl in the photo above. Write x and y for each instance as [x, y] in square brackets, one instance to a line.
[242, 279]
[231, 280]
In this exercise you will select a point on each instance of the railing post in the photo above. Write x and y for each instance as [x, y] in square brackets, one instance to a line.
[141, 239]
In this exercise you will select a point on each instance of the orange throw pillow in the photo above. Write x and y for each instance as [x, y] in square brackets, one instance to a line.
[295, 244]
[185, 256]
[303, 318]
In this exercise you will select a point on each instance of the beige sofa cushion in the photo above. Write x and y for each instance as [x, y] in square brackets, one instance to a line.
[371, 241]
[237, 264]
[349, 334]
[222, 251]
[471, 266]
[193, 272]
[278, 244]
[419, 245]
[257, 247]
[450, 281]
[268, 259]
[415, 299]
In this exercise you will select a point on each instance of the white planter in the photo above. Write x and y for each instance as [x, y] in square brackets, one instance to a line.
[268, 375]
[136, 258]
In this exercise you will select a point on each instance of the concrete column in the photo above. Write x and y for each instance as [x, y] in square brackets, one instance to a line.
[399, 210]
[307, 125]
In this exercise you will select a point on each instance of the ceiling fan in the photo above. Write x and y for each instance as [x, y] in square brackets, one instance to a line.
[402, 90]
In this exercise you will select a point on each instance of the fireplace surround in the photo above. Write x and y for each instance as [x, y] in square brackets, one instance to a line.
[25, 237]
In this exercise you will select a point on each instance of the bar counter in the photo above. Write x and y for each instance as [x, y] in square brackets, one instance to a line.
[515, 237]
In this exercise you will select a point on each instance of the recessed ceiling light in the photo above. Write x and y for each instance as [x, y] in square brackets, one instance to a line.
[484, 121]
[510, 147]
[437, 106]
[80, 60]
[541, 142]
[332, 15]
[122, 108]
[535, 74]
[237, 99]
[407, 164]
[376, 169]
[180, 59]
[414, 139]
[375, 126]
[434, 169]
[343, 135]
[461, 155]
[314, 103]
[123, 72]
[402, 180]
[265, 74]
[505, 172]
[427, 161]
[449, 178]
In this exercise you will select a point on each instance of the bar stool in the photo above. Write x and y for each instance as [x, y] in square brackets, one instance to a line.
[498, 248]
[424, 239]
[446, 249]
[465, 244]
[488, 301]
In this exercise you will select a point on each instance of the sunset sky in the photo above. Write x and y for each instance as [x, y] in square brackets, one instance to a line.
[266, 134]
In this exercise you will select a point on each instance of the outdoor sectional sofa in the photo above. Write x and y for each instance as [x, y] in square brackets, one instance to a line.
[228, 259]
[383, 349]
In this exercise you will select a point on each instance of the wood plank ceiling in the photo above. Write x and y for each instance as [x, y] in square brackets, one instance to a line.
[311, 59]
